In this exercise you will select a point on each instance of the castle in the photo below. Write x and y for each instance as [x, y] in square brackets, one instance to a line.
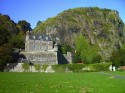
[40, 49]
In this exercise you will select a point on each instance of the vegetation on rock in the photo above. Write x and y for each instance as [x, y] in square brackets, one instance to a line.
[92, 34]
[102, 29]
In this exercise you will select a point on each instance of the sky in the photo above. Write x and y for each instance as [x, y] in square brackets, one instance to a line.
[39, 10]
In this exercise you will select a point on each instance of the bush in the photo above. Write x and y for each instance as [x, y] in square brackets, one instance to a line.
[89, 67]
[97, 59]
[44, 67]
[37, 67]
[76, 67]
[25, 66]
[59, 68]
[100, 66]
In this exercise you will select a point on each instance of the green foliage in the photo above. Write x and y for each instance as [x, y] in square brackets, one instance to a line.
[76, 67]
[4, 35]
[5, 55]
[65, 48]
[11, 36]
[18, 40]
[44, 67]
[8, 24]
[84, 50]
[89, 67]
[25, 66]
[59, 68]
[82, 67]
[115, 58]
[118, 57]
[97, 59]
[77, 58]
[37, 67]
[99, 66]
[71, 67]
[102, 26]
[23, 25]
[38, 23]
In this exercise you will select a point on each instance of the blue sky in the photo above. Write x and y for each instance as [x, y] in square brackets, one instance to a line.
[35, 10]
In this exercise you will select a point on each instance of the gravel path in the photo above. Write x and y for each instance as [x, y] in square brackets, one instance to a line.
[112, 75]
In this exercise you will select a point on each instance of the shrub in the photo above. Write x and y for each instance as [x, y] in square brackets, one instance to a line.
[59, 68]
[37, 67]
[25, 66]
[44, 67]
[100, 66]
[76, 67]
[97, 59]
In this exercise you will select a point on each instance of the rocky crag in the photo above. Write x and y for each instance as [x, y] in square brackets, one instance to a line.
[101, 27]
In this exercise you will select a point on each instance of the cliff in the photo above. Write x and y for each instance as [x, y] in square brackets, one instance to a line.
[101, 27]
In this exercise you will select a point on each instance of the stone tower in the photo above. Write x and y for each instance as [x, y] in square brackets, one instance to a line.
[27, 41]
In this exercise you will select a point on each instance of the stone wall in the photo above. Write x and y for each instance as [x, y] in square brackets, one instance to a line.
[14, 67]
[44, 58]
[38, 45]
[61, 58]
[68, 57]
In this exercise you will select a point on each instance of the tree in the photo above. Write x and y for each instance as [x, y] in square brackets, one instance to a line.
[77, 58]
[8, 24]
[97, 59]
[18, 40]
[83, 48]
[23, 26]
[65, 48]
[4, 35]
[118, 57]
[38, 23]
[5, 55]
[122, 55]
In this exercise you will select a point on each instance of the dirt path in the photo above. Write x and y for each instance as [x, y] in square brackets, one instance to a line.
[112, 75]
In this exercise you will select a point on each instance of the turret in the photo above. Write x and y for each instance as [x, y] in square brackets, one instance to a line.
[26, 41]
[27, 35]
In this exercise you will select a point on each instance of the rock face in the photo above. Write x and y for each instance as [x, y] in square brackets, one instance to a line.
[101, 27]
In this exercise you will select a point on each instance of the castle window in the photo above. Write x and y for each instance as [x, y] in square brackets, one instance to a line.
[46, 38]
[34, 37]
[40, 37]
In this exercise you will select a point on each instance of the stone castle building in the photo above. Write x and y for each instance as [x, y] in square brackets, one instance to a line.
[40, 49]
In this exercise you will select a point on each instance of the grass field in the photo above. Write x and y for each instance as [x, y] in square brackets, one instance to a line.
[87, 82]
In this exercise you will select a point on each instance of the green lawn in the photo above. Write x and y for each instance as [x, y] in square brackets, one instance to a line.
[86, 82]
